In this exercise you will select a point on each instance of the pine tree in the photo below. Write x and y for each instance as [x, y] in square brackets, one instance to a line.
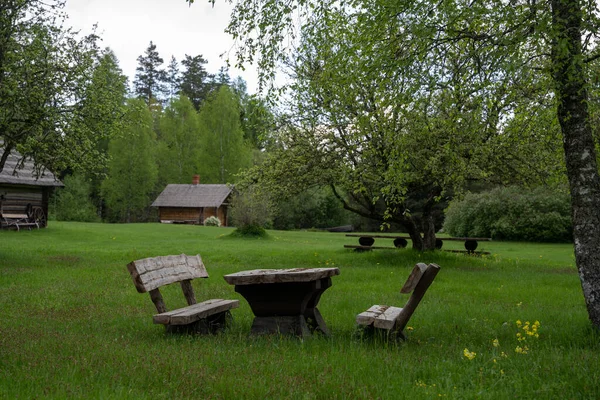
[195, 80]
[173, 78]
[150, 79]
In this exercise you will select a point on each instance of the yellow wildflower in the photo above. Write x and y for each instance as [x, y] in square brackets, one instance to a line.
[469, 354]
[495, 343]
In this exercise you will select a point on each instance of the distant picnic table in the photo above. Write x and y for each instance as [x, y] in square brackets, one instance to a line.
[366, 242]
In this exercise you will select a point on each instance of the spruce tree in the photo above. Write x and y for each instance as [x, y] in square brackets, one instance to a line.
[195, 80]
[150, 79]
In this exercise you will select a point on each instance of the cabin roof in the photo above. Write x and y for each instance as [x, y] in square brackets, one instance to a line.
[26, 175]
[193, 196]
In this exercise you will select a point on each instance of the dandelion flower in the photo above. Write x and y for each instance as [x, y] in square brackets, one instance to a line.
[495, 343]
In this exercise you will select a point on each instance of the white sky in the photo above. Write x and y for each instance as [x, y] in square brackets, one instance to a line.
[128, 26]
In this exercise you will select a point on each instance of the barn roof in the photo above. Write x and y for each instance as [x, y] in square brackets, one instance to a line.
[26, 175]
[193, 196]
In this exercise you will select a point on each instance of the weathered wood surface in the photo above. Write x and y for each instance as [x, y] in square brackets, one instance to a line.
[262, 276]
[388, 318]
[382, 317]
[154, 272]
[359, 247]
[414, 278]
[423, 284]
[195, 312]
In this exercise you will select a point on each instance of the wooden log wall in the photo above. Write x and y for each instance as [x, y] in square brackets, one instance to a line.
[15, 199]
[179, 214]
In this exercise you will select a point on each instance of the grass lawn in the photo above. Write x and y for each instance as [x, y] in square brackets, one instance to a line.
[74, 326]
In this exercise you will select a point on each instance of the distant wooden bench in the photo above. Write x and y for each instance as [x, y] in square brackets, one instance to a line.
[18, 221]
[394, 319]
[365, 242]
[149, 274]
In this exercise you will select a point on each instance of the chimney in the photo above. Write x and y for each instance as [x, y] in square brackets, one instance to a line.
[196, 180]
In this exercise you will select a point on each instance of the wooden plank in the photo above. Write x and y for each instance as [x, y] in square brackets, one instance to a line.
[351, 246]
[414, 278]
[422, 286]
[378, 236]
[382, 317]
[193, 313]
[154, 272]
[260, 276]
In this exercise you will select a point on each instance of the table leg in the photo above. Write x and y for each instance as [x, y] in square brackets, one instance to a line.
[312, 314]
[286, 308]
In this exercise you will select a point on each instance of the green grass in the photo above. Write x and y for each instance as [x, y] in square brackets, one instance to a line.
[74, 326]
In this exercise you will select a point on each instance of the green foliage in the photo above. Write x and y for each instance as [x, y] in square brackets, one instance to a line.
[73, 202]
[212, 221]
[249, 207]
[48, 87]
[130, 185]
[314, 208]
[513, 213]
[179, 153]
[150, 78]
[250, 231]
[196, 82]
[224, 152]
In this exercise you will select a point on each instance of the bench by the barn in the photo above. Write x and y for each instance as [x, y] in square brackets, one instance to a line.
[149, 274]
[394, 319]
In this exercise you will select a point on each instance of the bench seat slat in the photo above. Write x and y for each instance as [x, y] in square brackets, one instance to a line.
[383, 317]
[195, 312]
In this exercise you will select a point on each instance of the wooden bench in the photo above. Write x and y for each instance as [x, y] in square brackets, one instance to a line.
[365, 242]
[394, 319]
[18, 221]
[149, 274]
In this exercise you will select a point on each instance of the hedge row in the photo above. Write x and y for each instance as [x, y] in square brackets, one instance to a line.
[512, 213]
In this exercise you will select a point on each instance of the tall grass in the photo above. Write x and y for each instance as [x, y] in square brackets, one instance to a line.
[74, 326]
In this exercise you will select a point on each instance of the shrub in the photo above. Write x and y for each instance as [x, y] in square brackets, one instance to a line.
[212, 221]
[512, 213]
[249, 213]
[73, 202]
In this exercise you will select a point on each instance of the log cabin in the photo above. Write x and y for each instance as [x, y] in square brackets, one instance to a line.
[192, 204]
[24, 196]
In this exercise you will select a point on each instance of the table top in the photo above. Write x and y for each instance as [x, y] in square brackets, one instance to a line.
[262, 276]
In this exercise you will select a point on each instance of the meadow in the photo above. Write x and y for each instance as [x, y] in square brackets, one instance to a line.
[73, 325]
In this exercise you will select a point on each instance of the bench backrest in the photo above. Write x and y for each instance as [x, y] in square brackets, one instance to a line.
[151, 273]
[418, 282]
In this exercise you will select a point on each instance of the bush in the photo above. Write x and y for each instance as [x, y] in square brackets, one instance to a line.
[513, 213]
[212, 221]
[249, 213]
[73, 202]
[254, 231]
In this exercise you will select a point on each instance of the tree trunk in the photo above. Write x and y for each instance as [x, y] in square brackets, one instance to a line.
[580, 155]
[413, 231]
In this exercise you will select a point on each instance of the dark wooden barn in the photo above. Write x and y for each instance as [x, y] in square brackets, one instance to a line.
[23, 196]
[192, 204]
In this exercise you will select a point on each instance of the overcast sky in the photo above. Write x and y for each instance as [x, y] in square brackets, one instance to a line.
[128, 26]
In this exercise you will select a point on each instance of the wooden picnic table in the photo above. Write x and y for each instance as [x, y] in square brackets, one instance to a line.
[284, 300]
[366, 242]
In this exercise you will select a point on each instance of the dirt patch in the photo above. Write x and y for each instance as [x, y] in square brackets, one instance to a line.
[64, 259]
